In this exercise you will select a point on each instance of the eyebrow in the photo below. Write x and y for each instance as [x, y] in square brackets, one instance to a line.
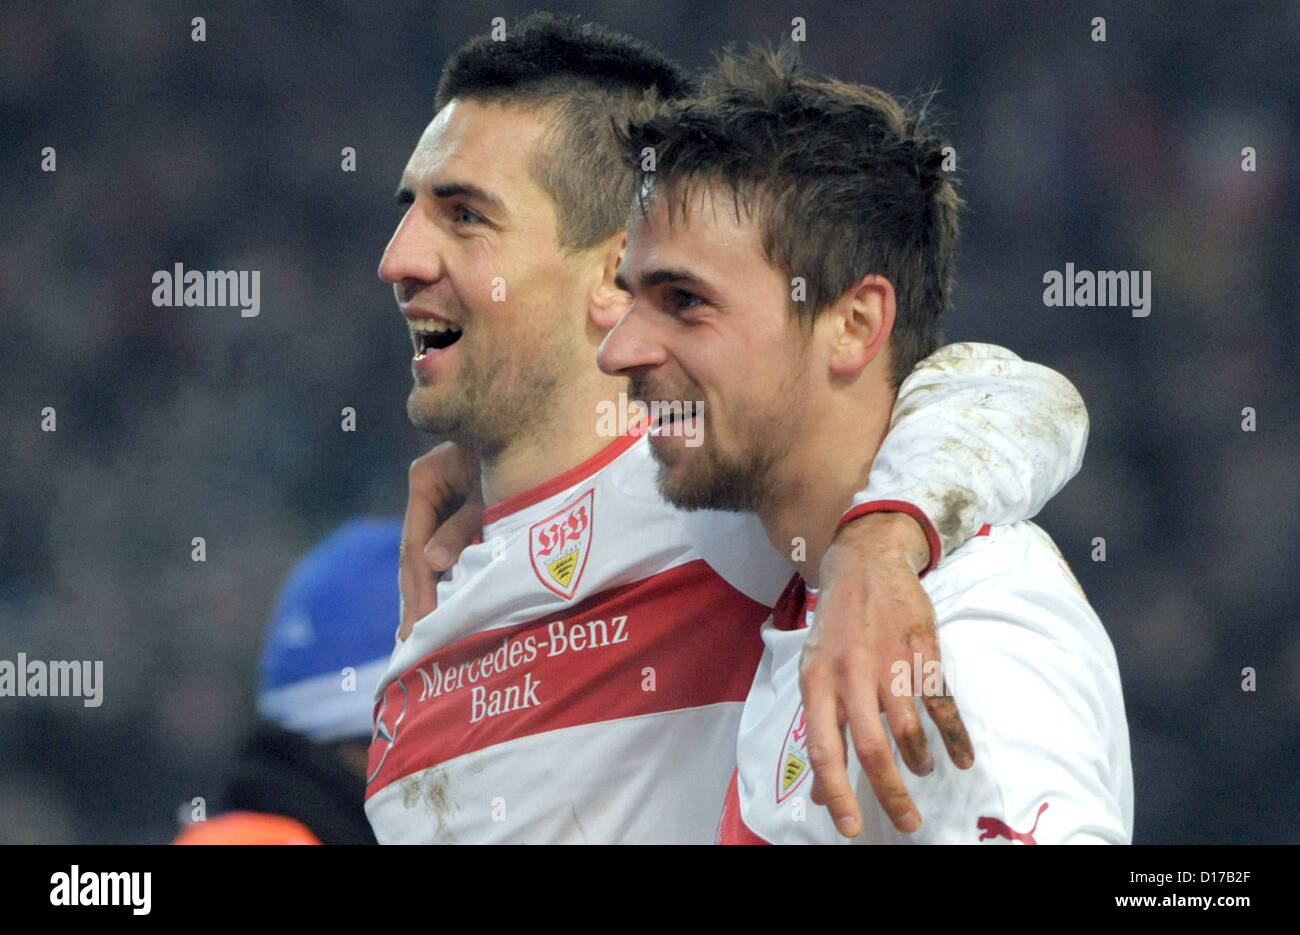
[405, 195]
[657, 277]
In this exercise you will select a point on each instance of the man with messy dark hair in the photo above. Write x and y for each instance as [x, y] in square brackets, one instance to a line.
[769, 174]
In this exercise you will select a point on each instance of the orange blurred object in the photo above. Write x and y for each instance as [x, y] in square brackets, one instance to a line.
[247, 828]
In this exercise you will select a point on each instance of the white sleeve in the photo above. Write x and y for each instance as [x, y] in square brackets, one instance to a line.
[977, 436]
[1040, 696]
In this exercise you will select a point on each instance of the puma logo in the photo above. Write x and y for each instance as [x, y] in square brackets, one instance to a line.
[997, 828]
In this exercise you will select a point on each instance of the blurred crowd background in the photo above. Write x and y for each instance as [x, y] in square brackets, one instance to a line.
[174, 423]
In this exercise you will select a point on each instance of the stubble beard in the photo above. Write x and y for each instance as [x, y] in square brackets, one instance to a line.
[713, 479]
[716, 481]
[493, 404]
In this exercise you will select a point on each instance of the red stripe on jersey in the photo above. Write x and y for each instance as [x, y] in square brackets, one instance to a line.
[791, 607]
[899, 506]
[571, 477]
[680, 639]
[791, 613]
[732, 828]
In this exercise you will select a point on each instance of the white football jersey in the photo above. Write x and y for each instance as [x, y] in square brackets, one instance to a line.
[583, 674]
[1035, 679]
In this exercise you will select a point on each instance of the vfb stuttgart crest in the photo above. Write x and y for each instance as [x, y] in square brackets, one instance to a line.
[793, 768]
[558, 546]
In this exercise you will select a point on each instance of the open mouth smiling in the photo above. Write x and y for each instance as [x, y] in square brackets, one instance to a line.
[432, 334]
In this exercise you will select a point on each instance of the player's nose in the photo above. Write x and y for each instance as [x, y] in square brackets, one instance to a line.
[413, 253]
[631, 345]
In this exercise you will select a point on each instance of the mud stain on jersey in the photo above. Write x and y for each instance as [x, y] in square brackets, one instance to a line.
[410, 790]
[904, 411]
[954, 505]
[578, 823]
[439, 801]
[431, 789]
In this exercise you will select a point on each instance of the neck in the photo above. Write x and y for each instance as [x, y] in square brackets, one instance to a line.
[560, 438]
[821, 474]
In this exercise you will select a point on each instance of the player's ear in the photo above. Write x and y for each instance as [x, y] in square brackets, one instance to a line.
[861, 322]
[608, 302]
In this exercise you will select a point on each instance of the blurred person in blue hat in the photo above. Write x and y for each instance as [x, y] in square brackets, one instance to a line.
[299, 778]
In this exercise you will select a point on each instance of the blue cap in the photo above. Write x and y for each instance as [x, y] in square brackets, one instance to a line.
[332, 633]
